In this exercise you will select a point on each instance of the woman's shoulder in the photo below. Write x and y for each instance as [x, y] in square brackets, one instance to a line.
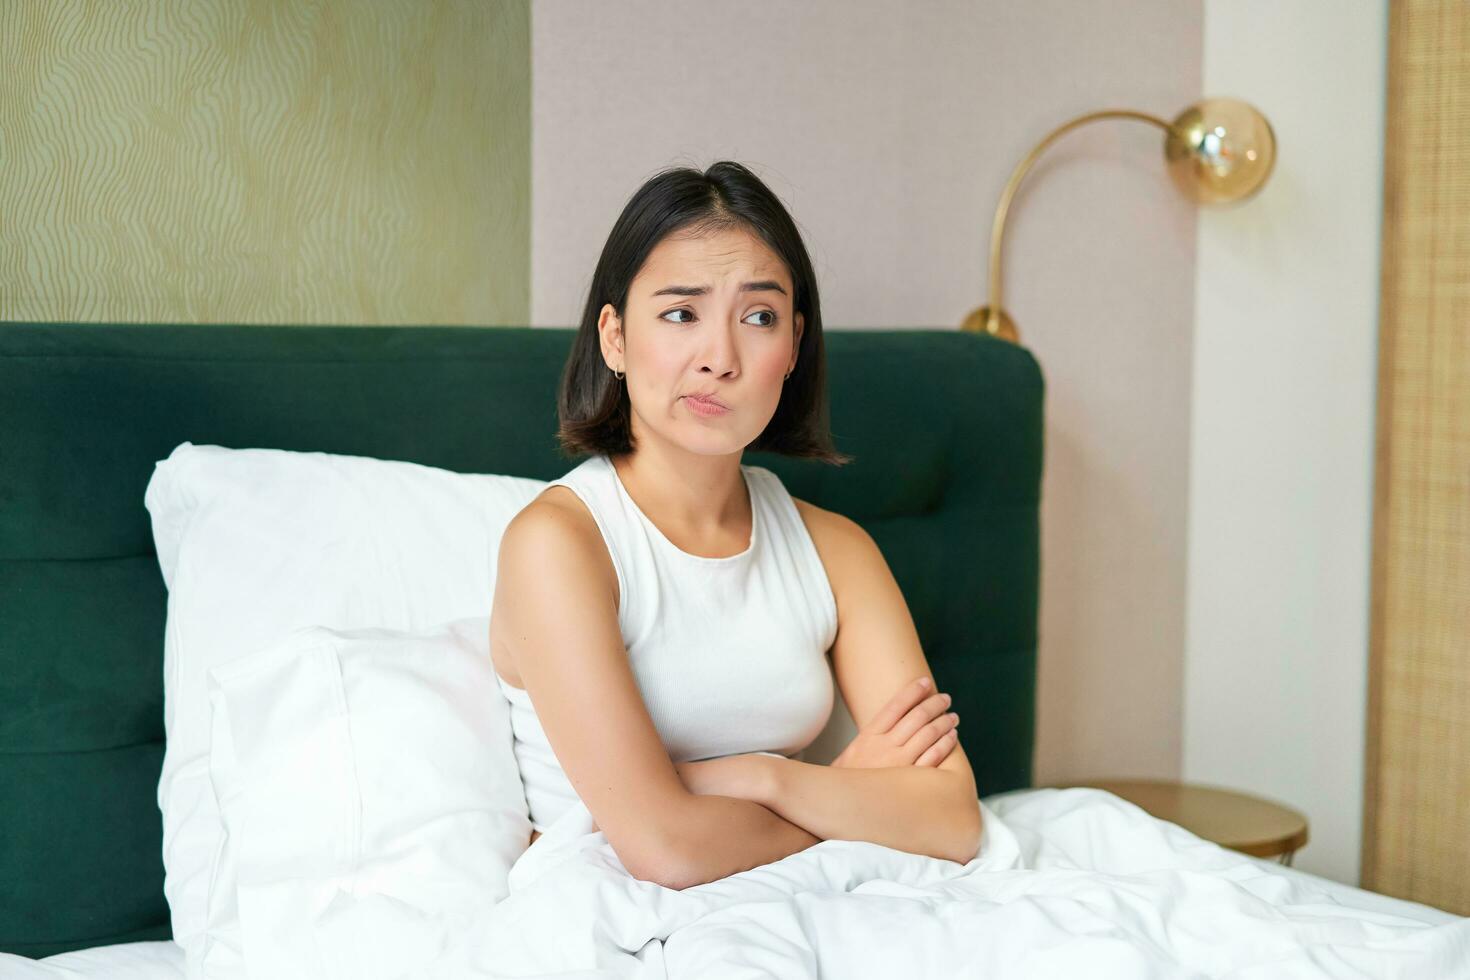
[556, 514]
[559, 504]
[836, 536]
[828, 528]
[556, 526]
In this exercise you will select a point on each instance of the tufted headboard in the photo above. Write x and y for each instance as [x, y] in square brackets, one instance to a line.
[946, 428]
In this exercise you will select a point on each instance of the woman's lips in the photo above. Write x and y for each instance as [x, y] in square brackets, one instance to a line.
[704, 409]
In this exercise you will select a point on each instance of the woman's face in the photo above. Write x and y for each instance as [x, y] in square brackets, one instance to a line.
[707, 315]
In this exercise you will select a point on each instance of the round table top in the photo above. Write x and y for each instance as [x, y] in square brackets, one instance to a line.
[1240, 821]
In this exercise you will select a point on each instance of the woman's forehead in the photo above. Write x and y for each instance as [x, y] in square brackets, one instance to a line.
[715, 260]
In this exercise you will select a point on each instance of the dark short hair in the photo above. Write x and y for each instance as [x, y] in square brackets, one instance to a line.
[592, 405]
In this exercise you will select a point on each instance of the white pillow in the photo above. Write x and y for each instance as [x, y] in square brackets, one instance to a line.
[355, 768]
[254, 543]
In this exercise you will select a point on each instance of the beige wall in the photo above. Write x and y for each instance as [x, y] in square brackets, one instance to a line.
[1284, 392]
[889, 130]
[206, 161]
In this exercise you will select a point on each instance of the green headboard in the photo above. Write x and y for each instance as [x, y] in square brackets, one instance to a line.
[946, 428]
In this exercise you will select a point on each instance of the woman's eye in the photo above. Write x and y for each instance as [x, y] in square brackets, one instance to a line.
[769, 323]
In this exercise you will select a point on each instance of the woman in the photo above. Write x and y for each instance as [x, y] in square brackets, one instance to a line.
[662, 613]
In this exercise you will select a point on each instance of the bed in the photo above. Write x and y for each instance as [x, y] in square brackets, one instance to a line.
[950, 494]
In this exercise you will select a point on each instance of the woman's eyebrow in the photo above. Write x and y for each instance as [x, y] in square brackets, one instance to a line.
[749, 287]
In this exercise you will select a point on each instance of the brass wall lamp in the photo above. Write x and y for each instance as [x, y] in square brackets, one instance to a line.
[1218, 151]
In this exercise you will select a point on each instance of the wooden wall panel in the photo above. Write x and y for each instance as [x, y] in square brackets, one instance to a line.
[1416, 841]
[265, 161]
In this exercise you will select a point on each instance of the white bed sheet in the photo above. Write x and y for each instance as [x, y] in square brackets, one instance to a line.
[123, 961]
[1051, 832]
[1360, 898]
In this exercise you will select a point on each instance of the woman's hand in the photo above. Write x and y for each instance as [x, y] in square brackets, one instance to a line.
[911, 730]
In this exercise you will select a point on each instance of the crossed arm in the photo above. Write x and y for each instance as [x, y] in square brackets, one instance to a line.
[924, 808]
[697, 822]
[918, 809]
[888, 787]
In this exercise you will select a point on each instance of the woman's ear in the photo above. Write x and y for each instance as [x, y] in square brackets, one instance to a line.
[610, 338]
[796, 341]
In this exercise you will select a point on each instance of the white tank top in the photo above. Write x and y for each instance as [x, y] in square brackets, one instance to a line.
[729, 653]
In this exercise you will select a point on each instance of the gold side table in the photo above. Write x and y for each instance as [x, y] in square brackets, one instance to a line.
[1240, 821]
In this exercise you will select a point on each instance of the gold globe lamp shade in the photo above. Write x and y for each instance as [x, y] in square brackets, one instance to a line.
[1218, 151]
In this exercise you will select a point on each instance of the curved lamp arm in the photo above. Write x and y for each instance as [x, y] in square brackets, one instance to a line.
[1218, 150]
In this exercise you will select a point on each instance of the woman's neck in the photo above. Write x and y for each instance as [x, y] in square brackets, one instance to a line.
[702, 498]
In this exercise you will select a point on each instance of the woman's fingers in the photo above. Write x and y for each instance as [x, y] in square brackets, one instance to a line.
[919, 716]
[898, 705]
[940, 750]
[932, 732]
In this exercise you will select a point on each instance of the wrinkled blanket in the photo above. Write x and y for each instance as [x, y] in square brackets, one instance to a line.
[1067, 883]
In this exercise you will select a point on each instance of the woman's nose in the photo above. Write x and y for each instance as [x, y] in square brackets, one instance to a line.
[720, 355]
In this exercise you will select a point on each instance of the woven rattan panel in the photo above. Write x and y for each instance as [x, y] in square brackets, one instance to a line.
[1416, 841]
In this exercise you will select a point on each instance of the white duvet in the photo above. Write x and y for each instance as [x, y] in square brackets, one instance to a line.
[1068, 883]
